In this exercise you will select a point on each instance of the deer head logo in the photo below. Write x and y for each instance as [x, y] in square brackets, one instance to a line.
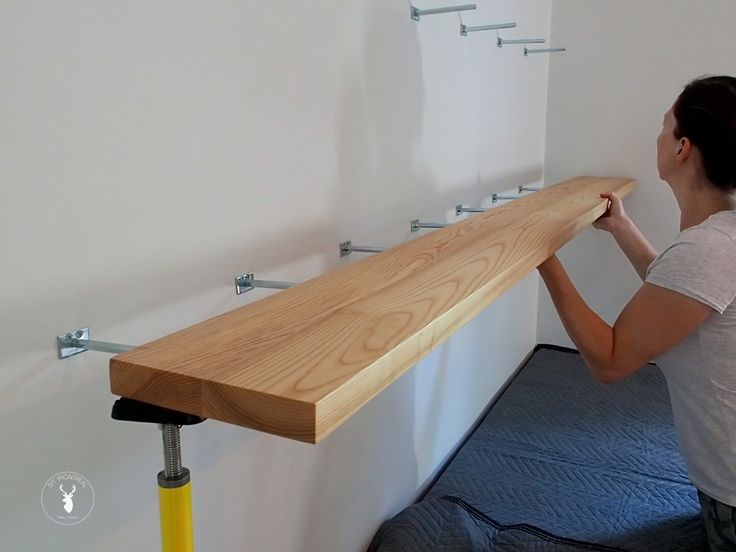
[81, 498]
[68, 504]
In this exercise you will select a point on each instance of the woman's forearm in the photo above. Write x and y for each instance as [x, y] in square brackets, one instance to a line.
[592, 336]
[635, 246]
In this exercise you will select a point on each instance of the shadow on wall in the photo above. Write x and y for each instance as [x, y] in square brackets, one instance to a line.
[381, 118]
[383, 180]
[353, 485]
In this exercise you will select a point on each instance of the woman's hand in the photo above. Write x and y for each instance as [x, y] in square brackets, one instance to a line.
[614, 217]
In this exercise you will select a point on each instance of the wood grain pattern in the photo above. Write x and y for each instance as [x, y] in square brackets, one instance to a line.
[301, 361]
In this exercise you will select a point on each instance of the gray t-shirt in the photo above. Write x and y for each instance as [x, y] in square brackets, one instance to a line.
[701, 370]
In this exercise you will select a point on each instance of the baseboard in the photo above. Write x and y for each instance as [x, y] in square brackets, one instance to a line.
[565, 350]
[555, 348]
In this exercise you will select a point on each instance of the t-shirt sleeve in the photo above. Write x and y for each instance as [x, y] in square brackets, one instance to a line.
[700, 264]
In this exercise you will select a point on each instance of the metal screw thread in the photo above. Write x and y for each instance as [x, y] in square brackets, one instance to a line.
[172, 451]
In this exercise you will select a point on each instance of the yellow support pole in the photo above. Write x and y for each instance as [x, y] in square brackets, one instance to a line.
[174, 487]
[175, 507]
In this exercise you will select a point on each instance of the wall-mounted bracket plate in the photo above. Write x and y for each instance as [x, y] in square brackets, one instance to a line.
[243, 283]
[65, 344]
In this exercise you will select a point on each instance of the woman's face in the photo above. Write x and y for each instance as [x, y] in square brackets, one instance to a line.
[667, 145]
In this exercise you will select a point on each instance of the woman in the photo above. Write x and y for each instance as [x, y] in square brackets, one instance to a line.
[683, 315]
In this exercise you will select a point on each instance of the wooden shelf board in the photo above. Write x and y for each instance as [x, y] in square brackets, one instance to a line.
[301, 361]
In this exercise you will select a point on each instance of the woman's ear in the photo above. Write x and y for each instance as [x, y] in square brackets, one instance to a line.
[683, 150]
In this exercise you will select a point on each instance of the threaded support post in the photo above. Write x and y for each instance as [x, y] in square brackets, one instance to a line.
[172, 451]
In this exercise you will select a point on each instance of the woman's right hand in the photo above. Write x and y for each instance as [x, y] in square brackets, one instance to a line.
[614, 217]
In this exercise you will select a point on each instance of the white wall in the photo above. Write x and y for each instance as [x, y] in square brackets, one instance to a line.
[626, 63]
[150, 152]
